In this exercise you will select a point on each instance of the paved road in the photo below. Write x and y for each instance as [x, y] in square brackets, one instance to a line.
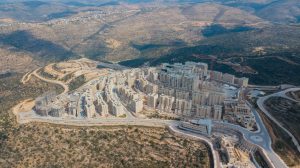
[260, 103]
[66, 87]
[264, 140]
[264, 87]
[27, 76]
[25, 117]
[216, 158]
[260, 137]
[31, 116]
[266, 144]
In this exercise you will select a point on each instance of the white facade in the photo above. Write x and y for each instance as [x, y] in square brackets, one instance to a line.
[165, 103]
[217, 112]
[152, 100]
[185, 90]
[203, 111]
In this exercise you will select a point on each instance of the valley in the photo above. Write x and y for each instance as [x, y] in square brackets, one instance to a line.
[145, 31]
[149, 83]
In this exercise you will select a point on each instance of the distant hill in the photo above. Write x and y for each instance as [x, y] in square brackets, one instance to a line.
[273, 52]
[41, 49]
[117, 37]
[219, 13]
[154, 27]
[31, 11]
[249, 32]
[282, 11]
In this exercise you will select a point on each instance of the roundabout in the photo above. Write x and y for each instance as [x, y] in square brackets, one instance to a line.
[256, 138]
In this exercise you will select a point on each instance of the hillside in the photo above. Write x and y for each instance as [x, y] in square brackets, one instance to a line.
[273, 53]
[218, 13]
[156, 30]
[283, 11]
[258, 39]
[13, 60]
[272, 39]
[41, 49]
[46, 145]
[129, 31]
[33, 10]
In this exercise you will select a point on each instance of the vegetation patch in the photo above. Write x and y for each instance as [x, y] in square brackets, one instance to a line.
[286, 112]
[34, 4]
[46, 145]
[61, 14]
[45, 74]
[134, 62]
[282, 143]
[67, 77]
[77, 82]
[260, 160]
[45, 50]
[6, 74]
[217, 29]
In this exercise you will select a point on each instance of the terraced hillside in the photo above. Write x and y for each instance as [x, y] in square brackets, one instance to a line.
[46, 145]
[114, 32]
[272, 53]
[287, 112]
[150, 30]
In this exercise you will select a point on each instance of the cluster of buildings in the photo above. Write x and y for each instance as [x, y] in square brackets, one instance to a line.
[89, 15]
[229, 79]
[238, 111]
[233, 155]
[187, 90]
[184, 89]
[202, 126]
[43, 105]
[193, 91]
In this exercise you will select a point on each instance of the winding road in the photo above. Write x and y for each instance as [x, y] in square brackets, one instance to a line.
[35, 73]
[260, 138]
[216, 158]
[260, 103]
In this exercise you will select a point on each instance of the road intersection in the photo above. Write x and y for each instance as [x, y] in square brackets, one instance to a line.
[260, 103]
[259, 138]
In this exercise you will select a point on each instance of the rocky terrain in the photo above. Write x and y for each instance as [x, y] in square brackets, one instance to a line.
[49, 31]
[281, 143]
[258, 39]
[287, 112]
[46, 145]
[124, 32]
